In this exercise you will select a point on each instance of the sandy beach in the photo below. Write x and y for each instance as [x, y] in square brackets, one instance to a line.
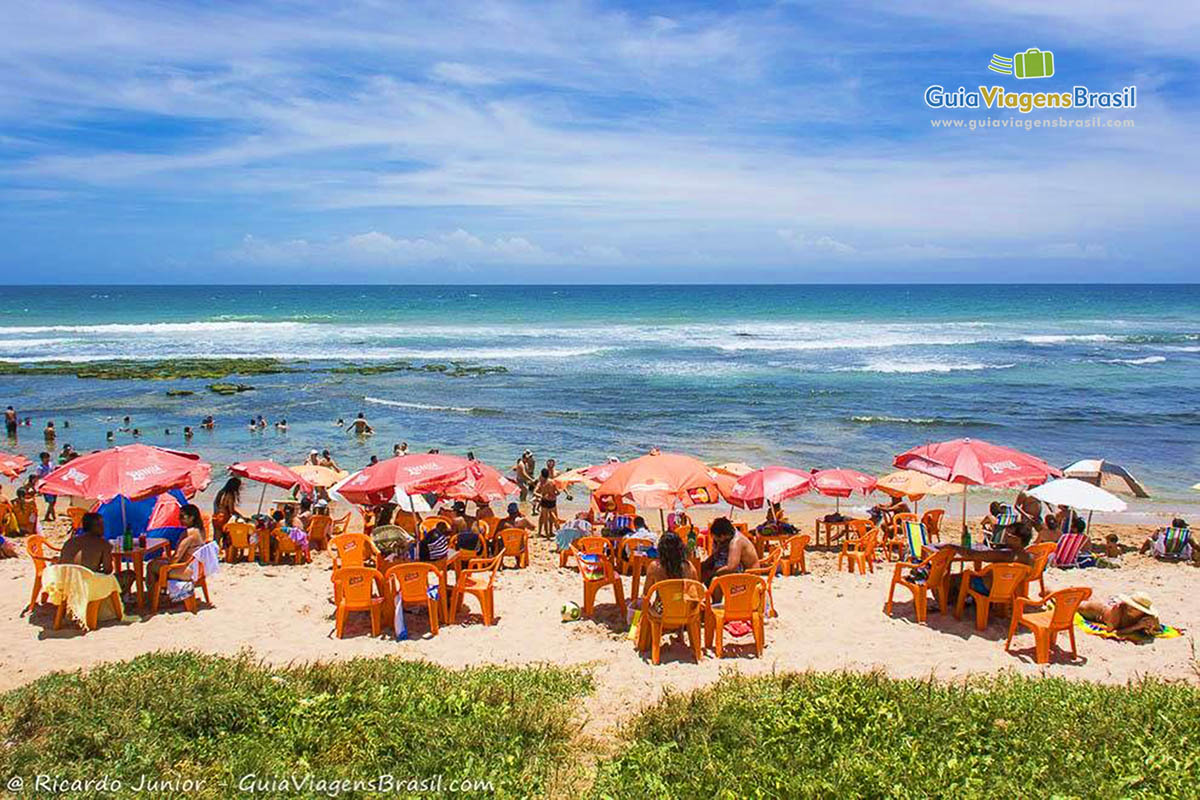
[828, 620]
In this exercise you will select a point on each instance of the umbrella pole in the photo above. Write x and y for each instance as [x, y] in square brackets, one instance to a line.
[964, 520]
[1089, 522]
[262, 497]
[662, 520]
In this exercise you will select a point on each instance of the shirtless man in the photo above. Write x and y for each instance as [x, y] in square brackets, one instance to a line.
[732, 551]
[524, 470]
[359, 426]
[89, 549]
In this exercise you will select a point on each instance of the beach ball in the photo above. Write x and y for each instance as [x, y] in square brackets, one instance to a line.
[570, 612]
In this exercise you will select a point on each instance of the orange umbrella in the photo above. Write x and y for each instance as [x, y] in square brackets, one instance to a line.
[662, 480]
[13, 465]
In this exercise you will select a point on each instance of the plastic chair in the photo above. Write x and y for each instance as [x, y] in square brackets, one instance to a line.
[92, 618]
[198, 581]
[352, 550]
[471, 581]
[285, 546]
[1046, 625]
[238, 541]
[794, 553]
[626, 549]
[41, 552]
[1067, 553]
[410, 582]
[342, 525]
[743, 599]
[431, 522]
[1007, 580]
[318, 529]
[595, 545]
[1041, 553]
[767, 572]
[358, 589]
[596, 574]
[932, 520]
[935, 582]
[515, 542]
[672, 605]
[76, 515]
[859, 551]
[895, 539]
[486, 529]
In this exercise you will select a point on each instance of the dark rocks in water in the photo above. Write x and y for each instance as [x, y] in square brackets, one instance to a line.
[179, 393]
[119, 369]
[454, 369]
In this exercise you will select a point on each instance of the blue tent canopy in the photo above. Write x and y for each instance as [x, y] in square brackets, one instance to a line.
[136, 514]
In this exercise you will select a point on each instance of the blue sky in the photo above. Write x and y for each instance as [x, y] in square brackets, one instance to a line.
[586, 142]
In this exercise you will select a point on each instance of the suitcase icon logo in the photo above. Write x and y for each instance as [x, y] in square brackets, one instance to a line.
[1033, 63]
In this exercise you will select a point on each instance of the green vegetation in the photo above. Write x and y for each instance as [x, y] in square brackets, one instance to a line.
[117, 370]
[454, 369]
[846, 735]
[230, 388]
[212, 719]
[179, 393]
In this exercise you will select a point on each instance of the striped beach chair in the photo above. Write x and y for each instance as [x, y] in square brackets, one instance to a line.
[915, 539]
[1007, 516]
[1174, 544]
[1066, 555]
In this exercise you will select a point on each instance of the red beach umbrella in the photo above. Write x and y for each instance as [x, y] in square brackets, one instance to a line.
[839, 483]
[482, 484]
[768, 485]
[974, 462]
[134, 471]
[268, 473]
[662, 480]
[13, 465]
[165, 513]
[411, 474]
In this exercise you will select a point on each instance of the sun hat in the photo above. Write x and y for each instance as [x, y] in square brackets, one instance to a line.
[1140, 601]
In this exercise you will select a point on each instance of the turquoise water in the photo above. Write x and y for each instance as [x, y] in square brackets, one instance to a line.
[811, 376]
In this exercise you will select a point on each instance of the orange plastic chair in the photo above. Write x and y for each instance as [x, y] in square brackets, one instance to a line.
[319, 526]
[793, 554]
[1007, 581]
[1041, 553]
[894, 540]
[76, 515]
[486, 528]
[342, 525]
[93, 611]
[671, 605]
[1046, 625]
[431, 522]
[626, 509]
[743, 599]
[767, 570]
[932, 520]
[859, 551]
[936, 581]
[516, 546]
[410, 582]
[238, 541]
[352, 550]
[471, 581]
[284, 546]
[358, 589]
[626, 549]
[41, 552]
[200, 582]
[595, 545]
[593, 583]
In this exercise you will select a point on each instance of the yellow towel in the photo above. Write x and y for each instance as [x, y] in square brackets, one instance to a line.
[80, 586]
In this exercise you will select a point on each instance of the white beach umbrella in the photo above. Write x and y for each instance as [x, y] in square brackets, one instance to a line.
[1106, 475]
[1077, 494]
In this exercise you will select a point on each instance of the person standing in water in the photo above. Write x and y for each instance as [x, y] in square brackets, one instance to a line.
[360, 426]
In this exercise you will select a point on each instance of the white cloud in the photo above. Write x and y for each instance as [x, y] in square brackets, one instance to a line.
[804, 243]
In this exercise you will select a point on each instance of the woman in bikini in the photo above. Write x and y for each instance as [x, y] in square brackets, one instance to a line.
[1123, 614]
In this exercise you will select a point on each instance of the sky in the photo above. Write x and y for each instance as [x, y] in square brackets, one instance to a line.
[587, 142]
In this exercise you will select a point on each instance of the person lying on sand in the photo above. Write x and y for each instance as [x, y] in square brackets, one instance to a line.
[1123, 614]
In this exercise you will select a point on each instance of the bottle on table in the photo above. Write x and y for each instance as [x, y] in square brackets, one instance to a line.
[966, 537]
[127, 539]
[142, 540]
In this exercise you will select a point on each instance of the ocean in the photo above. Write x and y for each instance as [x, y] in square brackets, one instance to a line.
[806, 376]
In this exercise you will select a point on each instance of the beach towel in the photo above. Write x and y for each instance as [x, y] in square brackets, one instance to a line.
[1067, 553]
[591, 567]
[79, 586]
[915, 538]
[567, 535]
[1173, 543]
[206, 556]
[1141, 637]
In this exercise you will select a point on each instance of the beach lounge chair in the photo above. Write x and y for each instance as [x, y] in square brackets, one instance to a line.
[42, 554]
[240, 539]
[743, 599]
[859, 551]
[477, 579]
[319, 527]
[407, 585]
[673, 605]
[1066, 555]
[515, 545]
[1041, 553]
[932, 520]
[1046, 625]
[596, 571]
[1173, 544]
[914, 539]
[358, 589]
[936, 572]
[767, 569]
[793, 554]
[1007, 580]
[177, 590]
[82, 594]
[896, 540]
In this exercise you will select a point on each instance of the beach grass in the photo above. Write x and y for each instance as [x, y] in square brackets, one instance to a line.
[850, 735]
[216, 720]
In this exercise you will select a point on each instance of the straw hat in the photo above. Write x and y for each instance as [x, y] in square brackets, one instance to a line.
[1140, 601]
